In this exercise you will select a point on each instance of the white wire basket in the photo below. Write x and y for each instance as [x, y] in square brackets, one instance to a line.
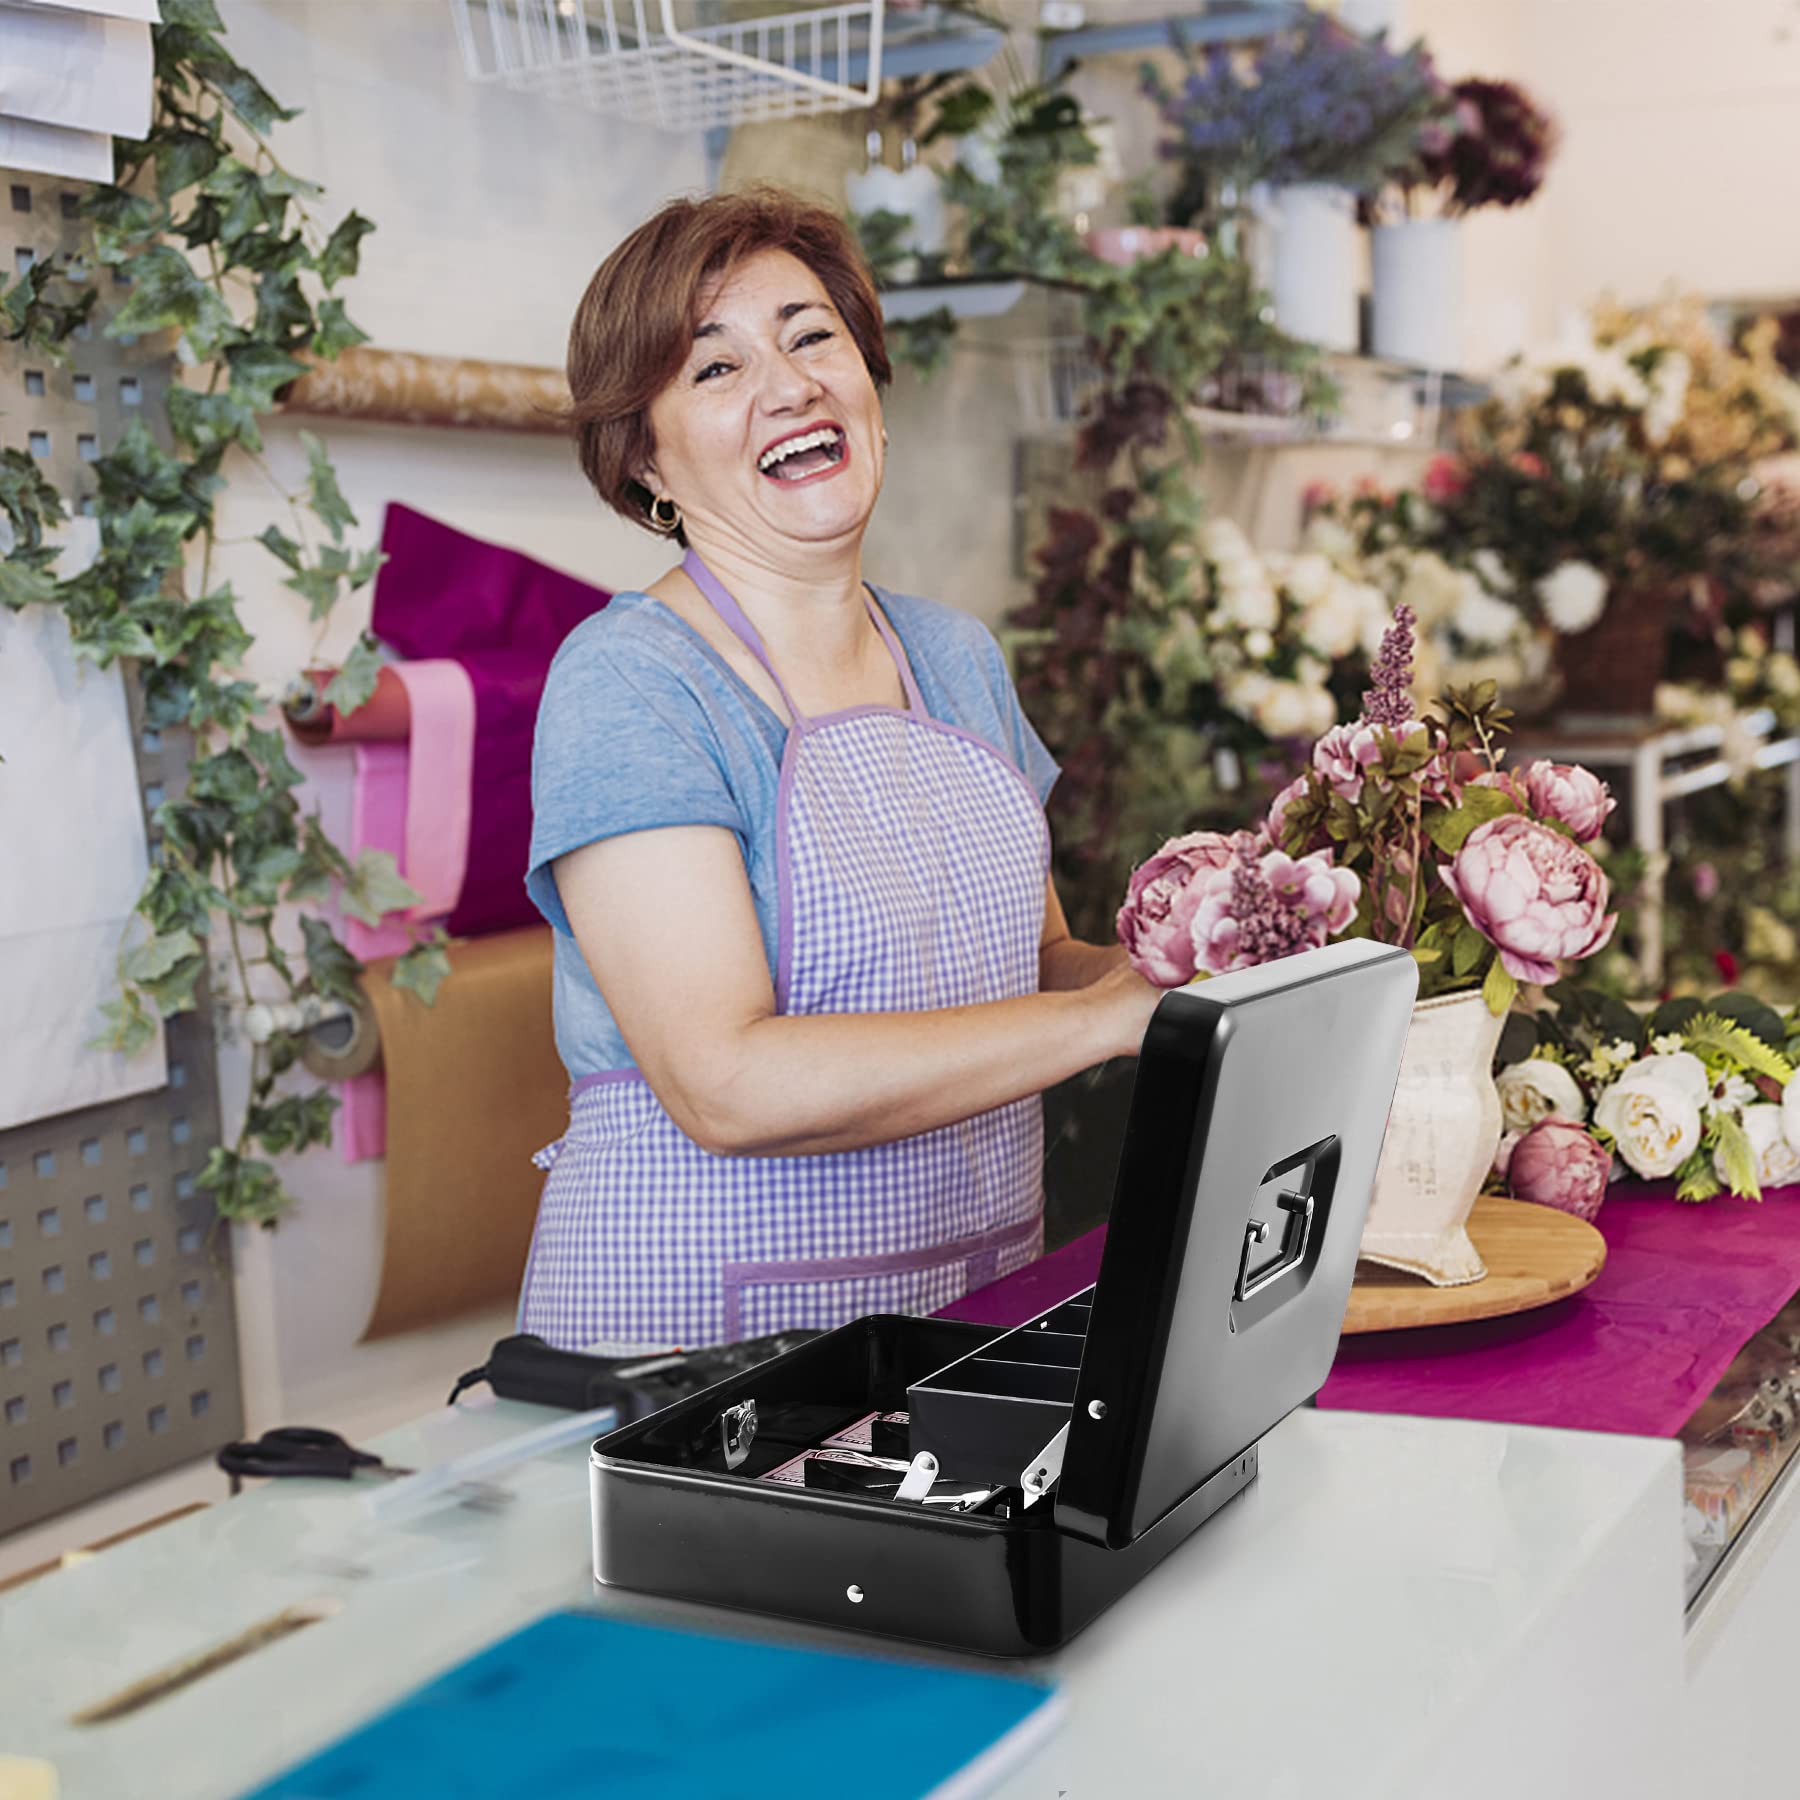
[685, 66]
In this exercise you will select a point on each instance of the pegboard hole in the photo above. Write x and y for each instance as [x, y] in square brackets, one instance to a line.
[112, 1435]
[100, 1265]
[177, 1074]
[140, 1198]
[87, 446]
[90, 1150]
[53, 1279]
[110, 1381]
[5, 1234]
[104, 1322]
[184, 1185]
[135, 1141]
[71, 206]
[152, 743]
[12, 1353]
[157, 1418]
[57, 1337]
[2, 1185]
[50, 1222]
[95, 1208]
[9, 1293]
[45, 1164]
[190, 1293]
[34, 384]
[130, 393]
[145, 1252]
[149, 1309]
[62, 1395]
[153, 1363]
[24, 259]
[67, 1450]
[38, 442]
[21, 197]
[21, 1470]
[15, 1410]
[196, 1347]
[198, 1402]
[90, 507]
[84, 389]
[188, 1239]
[179, 1129]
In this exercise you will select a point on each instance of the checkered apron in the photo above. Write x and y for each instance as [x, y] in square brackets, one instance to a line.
[911, 860]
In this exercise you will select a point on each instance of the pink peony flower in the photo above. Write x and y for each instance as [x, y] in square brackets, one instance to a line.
[1562, 1164]
[1536, 897]
[1316, 496]
[1706, 881]
[1342, 755]
[1567, 792]
[1445, 479]
[1155, 922]
[1269, 905]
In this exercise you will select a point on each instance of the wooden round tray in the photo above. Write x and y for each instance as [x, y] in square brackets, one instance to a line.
[1534, 1255]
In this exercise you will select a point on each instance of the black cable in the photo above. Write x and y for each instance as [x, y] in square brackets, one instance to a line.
[465, 1381]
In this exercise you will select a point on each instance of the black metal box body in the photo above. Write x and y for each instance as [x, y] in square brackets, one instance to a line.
[1258, 1112]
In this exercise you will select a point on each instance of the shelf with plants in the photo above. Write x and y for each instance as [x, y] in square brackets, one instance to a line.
[1193, 28]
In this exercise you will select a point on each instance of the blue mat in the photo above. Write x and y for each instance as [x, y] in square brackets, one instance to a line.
[580, 1705]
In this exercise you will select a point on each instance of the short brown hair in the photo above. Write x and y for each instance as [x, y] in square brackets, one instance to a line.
[635, 324]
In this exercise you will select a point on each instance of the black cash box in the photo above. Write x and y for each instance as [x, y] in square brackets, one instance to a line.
[1088, 1443]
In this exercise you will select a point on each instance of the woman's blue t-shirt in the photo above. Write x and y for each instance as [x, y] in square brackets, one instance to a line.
[643, 725]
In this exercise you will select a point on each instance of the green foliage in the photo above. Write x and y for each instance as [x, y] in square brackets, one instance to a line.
[1737, 1159]
[1718, 1040]
[198, 209]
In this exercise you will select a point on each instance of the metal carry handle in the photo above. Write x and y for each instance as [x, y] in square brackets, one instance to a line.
[1257, 1231]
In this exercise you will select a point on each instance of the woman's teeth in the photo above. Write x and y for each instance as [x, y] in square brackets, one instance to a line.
[803, 455]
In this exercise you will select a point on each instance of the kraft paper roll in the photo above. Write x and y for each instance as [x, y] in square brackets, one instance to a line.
[399, 388]
[384, 718]
[474, 1086]
[342, 1049]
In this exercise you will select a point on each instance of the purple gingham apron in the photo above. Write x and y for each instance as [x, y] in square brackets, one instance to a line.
[911, 861]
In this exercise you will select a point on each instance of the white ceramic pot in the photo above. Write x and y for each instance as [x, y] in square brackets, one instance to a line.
[1441, 1138]
[1314, 270]
[1416, 293]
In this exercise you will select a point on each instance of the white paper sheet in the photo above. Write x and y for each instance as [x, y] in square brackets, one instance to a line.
[38, 149]
[78, 69]
[72, 864]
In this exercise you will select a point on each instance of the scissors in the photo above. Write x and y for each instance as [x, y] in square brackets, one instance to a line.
[300, 1450]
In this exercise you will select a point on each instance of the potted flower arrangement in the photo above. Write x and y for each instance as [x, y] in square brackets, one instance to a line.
[1701, 1093]
[1320, 114]
[1406, 829]
[1494, 152]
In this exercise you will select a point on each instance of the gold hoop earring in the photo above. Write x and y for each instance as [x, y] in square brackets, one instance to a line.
[667, 523]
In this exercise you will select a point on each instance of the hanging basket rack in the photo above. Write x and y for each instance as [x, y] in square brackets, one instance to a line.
[731, 63]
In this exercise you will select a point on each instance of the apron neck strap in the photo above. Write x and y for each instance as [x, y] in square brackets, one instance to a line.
[739, 625]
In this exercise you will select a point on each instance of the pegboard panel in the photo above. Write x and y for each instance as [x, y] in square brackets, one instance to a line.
[118, 1336]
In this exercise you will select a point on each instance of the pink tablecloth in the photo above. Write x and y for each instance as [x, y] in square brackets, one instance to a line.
[1683, 1290]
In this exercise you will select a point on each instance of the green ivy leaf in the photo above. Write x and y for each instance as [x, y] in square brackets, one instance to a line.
[195, 15]
[167, 294]
[158, 955]
[1449, 827]
[259, 372]
[354, 682]
[342, 250]
[183, 158]
[375, 888]
[242, 92]
[293, 1123]
[326, 498]
[176, 991]
[23, 585]
[1467, 951]
[335, 331]
[424, 968]
[333, 970]
[1499, 988]
[244, 1189]
[278, 543]
[130, 1025]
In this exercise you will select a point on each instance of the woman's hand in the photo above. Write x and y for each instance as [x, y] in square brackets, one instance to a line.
[1123, 1002]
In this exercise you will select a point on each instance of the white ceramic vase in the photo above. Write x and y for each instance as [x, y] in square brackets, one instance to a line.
[1441, 1138]
[1416, 292]
[1314, 270]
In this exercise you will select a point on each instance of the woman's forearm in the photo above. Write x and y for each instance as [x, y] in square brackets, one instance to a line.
[1070, 963]
[795, 1085]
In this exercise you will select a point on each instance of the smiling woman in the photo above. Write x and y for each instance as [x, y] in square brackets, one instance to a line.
[811, 974]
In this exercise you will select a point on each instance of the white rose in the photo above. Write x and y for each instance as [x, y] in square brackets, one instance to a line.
[1777, 1161]
[1680, 1069]
[1482, 619]
[1321, 712]
[1259, 645]
[1496, 577]
[1430, 587]
[1286, 710]
[1668, 395]
[1329, 537]
[1250, 603]
[1307, 577]
[1221, 541]
[1790, 1111]
[1538, 1089]
[1574, 596]
[1654, 1125]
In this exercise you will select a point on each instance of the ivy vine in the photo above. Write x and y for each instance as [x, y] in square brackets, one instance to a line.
[1164, 335]
[223, 258]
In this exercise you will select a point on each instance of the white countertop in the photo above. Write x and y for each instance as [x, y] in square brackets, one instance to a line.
[1396, 1607]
